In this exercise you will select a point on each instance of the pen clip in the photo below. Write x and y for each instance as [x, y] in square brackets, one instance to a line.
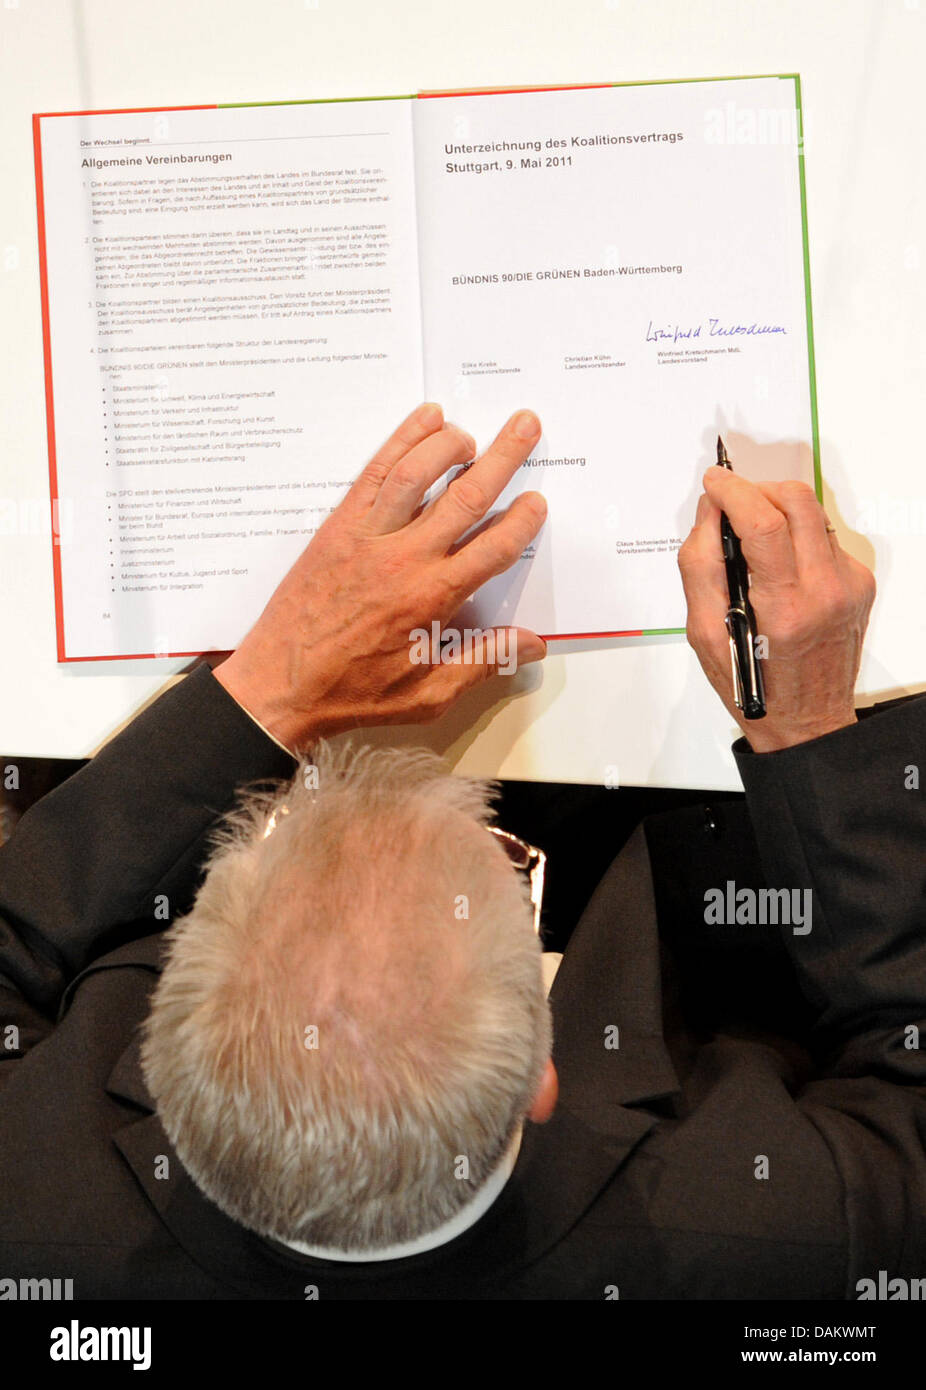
[734, 659]
[748, 684]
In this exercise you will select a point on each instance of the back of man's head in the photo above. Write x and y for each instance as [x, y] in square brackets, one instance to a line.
[351, 1023]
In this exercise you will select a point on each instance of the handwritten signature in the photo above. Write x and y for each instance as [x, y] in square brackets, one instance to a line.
[673, 333]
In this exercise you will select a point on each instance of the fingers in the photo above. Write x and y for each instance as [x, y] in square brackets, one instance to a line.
[401, 493]
[704, 576]
[498, 546]
[483, 654]
[469, 497]
[761, 526]
[424, 420]
[507, 648]
[528, 646]
[814, 547]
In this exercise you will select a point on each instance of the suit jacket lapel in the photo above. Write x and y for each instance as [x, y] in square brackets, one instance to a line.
[145, 951]
[609, 1047]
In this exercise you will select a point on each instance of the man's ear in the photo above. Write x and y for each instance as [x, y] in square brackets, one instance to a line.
[544, 1102]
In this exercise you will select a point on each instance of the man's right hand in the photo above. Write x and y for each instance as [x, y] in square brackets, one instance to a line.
[332, 649]
[811, 600]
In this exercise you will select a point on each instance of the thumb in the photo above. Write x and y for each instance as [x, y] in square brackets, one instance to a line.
[500, 651]
[506, 648]
[527, 645]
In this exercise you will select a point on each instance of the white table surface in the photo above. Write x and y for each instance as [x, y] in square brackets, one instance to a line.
[637, 712]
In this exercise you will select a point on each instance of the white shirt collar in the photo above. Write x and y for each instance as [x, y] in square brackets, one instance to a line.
[461, 1221]
[467, 1216]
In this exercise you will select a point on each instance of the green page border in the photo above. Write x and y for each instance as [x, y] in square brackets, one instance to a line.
[653, 82]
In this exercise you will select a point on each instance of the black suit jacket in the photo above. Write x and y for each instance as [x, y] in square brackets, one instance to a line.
[647, 1183]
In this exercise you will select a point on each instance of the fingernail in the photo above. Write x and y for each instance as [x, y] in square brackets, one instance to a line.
[703, 504]
[530, 648]
[430, 413]
[526, 424]
[470, 441]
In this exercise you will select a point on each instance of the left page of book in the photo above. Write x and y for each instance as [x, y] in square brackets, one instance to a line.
[232, 325]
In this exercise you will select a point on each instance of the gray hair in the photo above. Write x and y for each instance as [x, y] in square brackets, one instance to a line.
[380, 913]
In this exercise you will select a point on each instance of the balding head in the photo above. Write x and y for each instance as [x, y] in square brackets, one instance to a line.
[353, 1005]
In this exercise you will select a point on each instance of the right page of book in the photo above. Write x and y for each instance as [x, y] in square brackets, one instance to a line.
[631, 263]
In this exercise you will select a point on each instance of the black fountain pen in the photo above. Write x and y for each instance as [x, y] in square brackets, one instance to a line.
[748, 686]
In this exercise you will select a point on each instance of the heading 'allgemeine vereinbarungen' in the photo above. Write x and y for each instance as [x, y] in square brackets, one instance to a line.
[156, 159]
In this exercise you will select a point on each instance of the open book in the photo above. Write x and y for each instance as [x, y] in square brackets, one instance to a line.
[241, 302]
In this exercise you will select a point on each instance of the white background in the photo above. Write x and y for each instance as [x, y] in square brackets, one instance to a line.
[640, 712]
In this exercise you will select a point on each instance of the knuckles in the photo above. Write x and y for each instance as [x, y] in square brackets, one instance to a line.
[865, 582]
[686, 554]
[768, 525]
[469, 497]
[404, 477]
[375, 472]
[702, 639]
[793, 490]
[436, 702]
[502, 551]
[534, 509]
